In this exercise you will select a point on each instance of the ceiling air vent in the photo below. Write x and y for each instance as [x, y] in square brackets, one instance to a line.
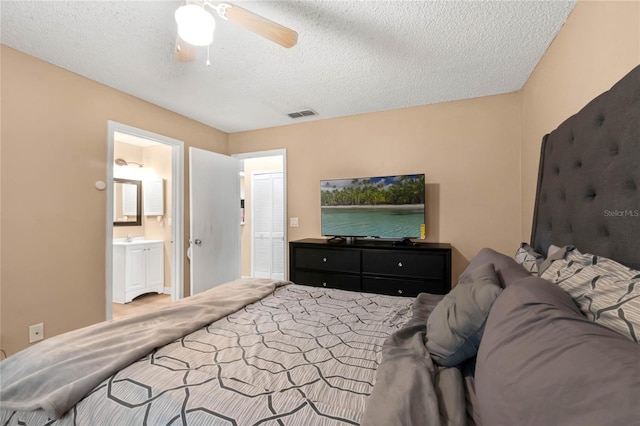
[305, 113]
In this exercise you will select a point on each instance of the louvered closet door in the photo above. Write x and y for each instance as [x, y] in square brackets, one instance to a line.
[268, 225]
[277, 227]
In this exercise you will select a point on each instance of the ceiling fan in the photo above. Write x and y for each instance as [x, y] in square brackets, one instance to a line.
[196, 26]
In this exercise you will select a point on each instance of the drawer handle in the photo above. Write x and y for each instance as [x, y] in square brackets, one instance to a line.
[324, 259]
[324, 284]
[400, 264]
[399, 291]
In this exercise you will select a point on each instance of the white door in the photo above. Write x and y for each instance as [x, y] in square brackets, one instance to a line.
[267, 244]
[277, 228]
[214, 188]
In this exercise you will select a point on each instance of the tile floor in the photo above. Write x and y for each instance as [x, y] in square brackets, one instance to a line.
[140, 304]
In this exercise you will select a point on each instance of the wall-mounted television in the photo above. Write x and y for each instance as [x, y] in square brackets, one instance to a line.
[381, 207]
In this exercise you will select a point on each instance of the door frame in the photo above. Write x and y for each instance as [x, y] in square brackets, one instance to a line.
[177, 208]
[272, 153]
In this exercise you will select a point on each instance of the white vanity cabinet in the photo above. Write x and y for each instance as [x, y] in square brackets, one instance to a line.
[138, 268]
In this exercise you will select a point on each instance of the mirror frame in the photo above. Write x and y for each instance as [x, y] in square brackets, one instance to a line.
[138, 184]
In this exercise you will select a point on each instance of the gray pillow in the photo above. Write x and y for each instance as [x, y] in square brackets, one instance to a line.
[455, 326]
[541, 362]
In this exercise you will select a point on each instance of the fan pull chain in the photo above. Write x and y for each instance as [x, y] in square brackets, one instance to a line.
[208, 61]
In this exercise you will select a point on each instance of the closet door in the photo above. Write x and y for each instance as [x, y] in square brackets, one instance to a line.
[268, 225]
[262, 199]
[277, 227]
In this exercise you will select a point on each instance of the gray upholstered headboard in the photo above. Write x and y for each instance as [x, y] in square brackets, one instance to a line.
[588, 191]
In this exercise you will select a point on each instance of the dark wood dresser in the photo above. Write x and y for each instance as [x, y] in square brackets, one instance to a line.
[372, 266]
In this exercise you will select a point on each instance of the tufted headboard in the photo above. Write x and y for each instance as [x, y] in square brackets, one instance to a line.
[588, 191]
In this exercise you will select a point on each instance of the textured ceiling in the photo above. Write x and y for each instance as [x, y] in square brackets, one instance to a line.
[352, 57]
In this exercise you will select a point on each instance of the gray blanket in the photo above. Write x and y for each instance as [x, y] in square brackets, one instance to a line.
[410, 389]
[302, 355]
[58, 372]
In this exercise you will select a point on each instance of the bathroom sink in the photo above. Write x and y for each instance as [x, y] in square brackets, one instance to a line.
[133, 241]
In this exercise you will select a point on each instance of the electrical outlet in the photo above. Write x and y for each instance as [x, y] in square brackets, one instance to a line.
[36, 332]
[293, 222]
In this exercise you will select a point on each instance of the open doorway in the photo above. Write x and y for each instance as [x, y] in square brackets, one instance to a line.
[263, 214]
[145, 231]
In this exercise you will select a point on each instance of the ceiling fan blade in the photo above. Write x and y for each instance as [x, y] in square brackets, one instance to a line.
[277, 33]
[183, 51]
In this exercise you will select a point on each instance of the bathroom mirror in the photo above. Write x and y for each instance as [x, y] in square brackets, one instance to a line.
[127, 202]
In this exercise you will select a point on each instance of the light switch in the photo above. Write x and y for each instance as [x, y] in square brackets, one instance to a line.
[293, 222]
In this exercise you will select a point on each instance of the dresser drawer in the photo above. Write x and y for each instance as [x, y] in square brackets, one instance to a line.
[404, 264]
[329, 280]
[398, 287]
[327, 260]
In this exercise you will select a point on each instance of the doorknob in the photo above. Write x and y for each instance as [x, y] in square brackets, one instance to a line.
[197, 242]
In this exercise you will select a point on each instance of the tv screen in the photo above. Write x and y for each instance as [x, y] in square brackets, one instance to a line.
[383, 206]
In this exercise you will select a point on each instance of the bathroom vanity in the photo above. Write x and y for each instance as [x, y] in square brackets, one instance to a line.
[138, 268]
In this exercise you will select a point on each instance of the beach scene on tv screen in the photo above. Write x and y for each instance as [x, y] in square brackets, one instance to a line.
[384, 207]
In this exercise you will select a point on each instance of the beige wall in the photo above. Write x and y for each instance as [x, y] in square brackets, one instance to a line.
[480, 157]
[469, 151]
[54, 149]
[598, 45]
[475, 153]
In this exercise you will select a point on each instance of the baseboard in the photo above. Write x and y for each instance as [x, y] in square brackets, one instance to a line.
[167, 290]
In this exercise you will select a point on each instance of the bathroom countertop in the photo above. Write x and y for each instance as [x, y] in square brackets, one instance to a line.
[134, 241]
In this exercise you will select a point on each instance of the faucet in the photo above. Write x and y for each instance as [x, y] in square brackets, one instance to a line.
[129, 238]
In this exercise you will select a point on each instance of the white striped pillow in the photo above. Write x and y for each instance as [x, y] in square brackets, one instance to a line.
[606, 292]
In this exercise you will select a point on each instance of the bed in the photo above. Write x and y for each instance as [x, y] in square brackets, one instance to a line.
[277, 352]
[548, 337]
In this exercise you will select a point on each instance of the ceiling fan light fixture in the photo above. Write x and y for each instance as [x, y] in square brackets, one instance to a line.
[195, 25]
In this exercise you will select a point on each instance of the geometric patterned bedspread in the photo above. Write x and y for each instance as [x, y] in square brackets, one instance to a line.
[300, 356]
